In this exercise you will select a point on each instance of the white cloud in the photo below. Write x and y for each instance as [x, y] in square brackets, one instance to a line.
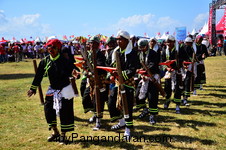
[200, 19]
[166, 22]
[26, 19]
[22, 26]
[148, 23]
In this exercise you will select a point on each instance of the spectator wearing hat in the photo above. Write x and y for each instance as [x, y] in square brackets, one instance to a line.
[59, 96]
[146, 87]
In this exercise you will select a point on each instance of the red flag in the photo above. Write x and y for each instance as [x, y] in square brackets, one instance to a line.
[159, 33]
[65, 37]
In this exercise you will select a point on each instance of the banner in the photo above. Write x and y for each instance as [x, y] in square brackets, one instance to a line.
[224, 21]
[181, 33]
[210, 24]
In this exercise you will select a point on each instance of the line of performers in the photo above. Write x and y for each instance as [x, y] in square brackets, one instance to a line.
[143, 64]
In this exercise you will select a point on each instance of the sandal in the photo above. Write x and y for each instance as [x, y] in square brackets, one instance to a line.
[116, 127]
[53, 137]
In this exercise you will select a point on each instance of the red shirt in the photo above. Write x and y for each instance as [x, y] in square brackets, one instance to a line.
[2, 50]
[220, 43]
[16, 49]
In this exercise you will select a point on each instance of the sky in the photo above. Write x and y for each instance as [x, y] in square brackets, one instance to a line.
[43, 18]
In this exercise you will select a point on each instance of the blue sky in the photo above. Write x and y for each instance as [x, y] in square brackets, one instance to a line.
[41, 18]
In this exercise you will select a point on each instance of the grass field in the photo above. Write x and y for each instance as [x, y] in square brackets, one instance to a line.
[200, 126]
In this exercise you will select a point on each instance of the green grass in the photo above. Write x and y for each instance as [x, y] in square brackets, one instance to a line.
[200, 126]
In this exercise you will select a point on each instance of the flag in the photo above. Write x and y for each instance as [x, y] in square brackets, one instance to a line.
[167, 32]
[65, 38]
[146, 35]
[158, 33]
[25, 40]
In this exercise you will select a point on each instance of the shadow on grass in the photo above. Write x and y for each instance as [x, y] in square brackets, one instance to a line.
[190, 111]
[15, 76]
[220, 105]
[212, 86]
[214, 95]
[80, 119]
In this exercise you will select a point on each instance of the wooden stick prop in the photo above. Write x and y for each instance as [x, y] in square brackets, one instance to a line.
[121, 86]
[74, 86]
[158, 86]
[39, 87]
[192, 71]
[96, 85]
[93, 70]
[84, 55]
[179, 75]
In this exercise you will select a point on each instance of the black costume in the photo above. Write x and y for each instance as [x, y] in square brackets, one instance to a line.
[128, 66]
[58, 70]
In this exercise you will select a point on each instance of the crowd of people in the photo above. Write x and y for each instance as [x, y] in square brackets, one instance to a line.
[146, 66]
[19, 51]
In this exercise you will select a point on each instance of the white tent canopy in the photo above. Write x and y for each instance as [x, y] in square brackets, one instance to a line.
[193, 32]
[38, 40]
[204, 29]
[164, 36]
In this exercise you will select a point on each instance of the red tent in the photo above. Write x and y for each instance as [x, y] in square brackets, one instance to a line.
[219, 27]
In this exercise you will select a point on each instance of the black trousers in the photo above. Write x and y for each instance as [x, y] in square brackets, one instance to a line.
[177, 91]
[152, 96]
[187, 84]
[83, 86]
[89, 103]
[115, 113]
[66, 114]
[200, 76]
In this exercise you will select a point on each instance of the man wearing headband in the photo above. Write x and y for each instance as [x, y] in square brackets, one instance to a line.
[146, 87]
[129, 63]
[172, 75]
[59, 97]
